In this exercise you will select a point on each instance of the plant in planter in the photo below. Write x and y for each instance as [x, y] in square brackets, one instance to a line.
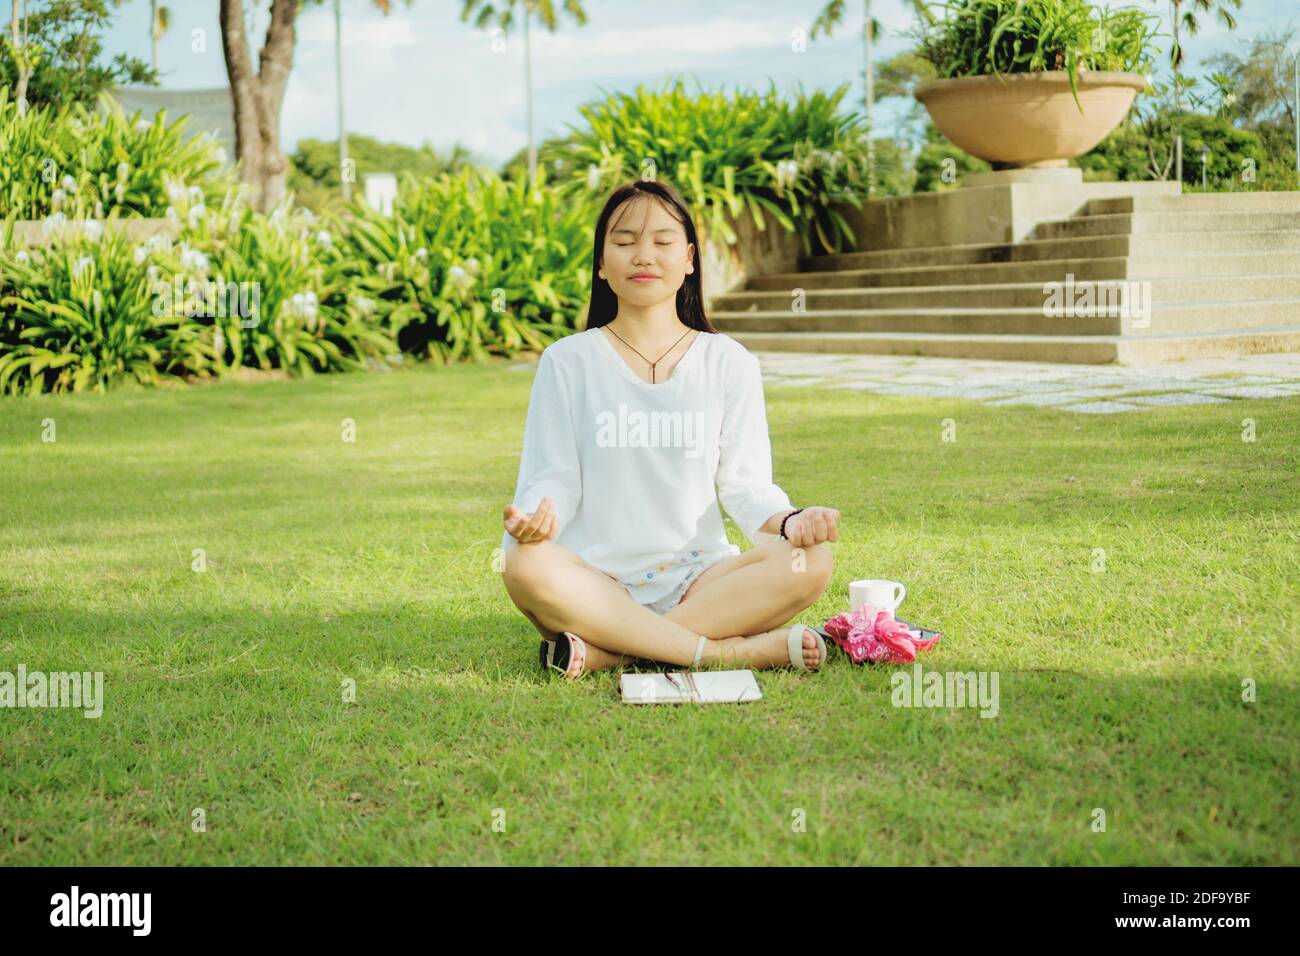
[1026, 83]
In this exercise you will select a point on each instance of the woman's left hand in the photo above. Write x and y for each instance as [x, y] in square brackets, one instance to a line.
[813, 526]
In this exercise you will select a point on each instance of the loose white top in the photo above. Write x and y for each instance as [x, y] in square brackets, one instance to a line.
[636, 470]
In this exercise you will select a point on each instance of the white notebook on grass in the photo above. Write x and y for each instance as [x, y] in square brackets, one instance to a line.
[690, 687]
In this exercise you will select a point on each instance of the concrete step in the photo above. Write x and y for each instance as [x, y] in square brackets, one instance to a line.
[1140, 223]
[923, 321]
[1199, 202]
[1047, 270]
[1093, 247]
[1087, 350]
[1161, 320]
[1024, 295]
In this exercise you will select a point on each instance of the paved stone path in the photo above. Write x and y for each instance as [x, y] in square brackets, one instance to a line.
[1086, 389]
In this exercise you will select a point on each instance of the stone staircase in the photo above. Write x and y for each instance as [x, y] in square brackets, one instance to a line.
[1222, 272]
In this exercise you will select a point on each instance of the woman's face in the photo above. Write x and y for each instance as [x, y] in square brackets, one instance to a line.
[646, 257]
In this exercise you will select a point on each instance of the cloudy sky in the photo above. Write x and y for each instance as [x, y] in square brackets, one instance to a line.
[421, 75]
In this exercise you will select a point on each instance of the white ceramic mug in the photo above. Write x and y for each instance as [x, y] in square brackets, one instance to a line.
[878, 593]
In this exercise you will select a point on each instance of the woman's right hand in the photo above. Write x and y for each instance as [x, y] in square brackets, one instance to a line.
[541, 525]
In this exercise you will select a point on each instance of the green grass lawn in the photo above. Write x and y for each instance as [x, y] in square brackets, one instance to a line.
[1120, 688]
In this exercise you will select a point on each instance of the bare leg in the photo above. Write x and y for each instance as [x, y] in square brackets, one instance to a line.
[562, 593]
[754, 592]
[558, 591]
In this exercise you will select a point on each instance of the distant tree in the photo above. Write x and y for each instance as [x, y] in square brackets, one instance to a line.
[502, 15]
[52, 53]
[314, 169]
[831, 15]
[940, 165]
[160, 18]
[1183, 18]
[257, 92]
[1262, 79]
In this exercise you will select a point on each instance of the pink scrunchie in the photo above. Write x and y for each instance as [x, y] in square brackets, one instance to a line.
[872, 634]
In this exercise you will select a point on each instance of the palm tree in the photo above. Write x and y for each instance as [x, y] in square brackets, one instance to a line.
[831, 16]
[22, 51]
[160, 18]
[486, 13]
[1185, 19]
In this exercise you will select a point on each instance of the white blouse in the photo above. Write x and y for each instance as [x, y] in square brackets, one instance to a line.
[636, 470]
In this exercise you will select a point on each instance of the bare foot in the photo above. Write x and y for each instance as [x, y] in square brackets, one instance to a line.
[769, 650]
[599, 659]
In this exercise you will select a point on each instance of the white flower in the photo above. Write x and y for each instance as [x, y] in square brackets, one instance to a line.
[83, 267]
[119, 192]
[94, 230]
[69, 184]
[323, 238]
[193, 261]
[364, 305]
[220, 155]
[53, 224]
[593, 177]
[459, 278]
[196, 195]
[422, 253]
[197, 213]
[786, 172]
[140, 255]
[154, 275]
[473, 266]
[172, 215]
[175, 191]
[23, 257]
[57, 197]
[123, 170]
[303, 305]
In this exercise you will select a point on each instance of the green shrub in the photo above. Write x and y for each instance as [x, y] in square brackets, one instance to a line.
[90, 164]
[266, 292]
[470, 265]
[76, 315]
[1130, 152]
[729, 154]
[236, 289]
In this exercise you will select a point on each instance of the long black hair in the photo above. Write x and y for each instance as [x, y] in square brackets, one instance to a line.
[690, 298]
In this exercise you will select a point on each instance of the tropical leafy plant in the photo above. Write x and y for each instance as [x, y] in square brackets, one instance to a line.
[262, 291]
[76, 315]
[729, 154]
[470, 265]
[86, 163]
[979, 37]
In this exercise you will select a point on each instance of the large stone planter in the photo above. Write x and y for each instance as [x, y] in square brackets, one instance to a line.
[1029, 119]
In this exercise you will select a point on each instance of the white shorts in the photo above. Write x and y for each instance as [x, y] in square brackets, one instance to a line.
[674, 597]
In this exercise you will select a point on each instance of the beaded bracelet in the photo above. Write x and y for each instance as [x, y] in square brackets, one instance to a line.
[787, 518]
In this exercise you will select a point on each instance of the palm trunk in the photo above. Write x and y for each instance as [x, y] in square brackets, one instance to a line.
[869, 96]
[23, 63]
[528, 97]
[258, 96]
